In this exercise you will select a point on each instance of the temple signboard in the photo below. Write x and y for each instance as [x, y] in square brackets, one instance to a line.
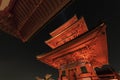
[73, 31]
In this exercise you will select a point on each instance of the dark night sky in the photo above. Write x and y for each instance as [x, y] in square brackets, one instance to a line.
[17, 59]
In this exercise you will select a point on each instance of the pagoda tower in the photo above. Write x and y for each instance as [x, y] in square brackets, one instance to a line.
[77, 52]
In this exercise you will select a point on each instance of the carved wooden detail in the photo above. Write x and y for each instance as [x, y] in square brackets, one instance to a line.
[29, 16]
[73, 31]
[88, 48]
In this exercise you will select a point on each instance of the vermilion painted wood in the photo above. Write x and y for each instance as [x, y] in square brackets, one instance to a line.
[76, 29]
[90, 47]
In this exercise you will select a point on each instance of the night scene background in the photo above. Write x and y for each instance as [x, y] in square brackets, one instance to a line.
[18, 59]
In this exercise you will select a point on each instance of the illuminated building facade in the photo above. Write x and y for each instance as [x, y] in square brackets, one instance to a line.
[79, 54]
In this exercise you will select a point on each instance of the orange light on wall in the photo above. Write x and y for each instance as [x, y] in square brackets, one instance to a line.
[5, 6]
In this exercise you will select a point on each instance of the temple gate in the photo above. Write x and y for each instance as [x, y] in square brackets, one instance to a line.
[77, 52]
